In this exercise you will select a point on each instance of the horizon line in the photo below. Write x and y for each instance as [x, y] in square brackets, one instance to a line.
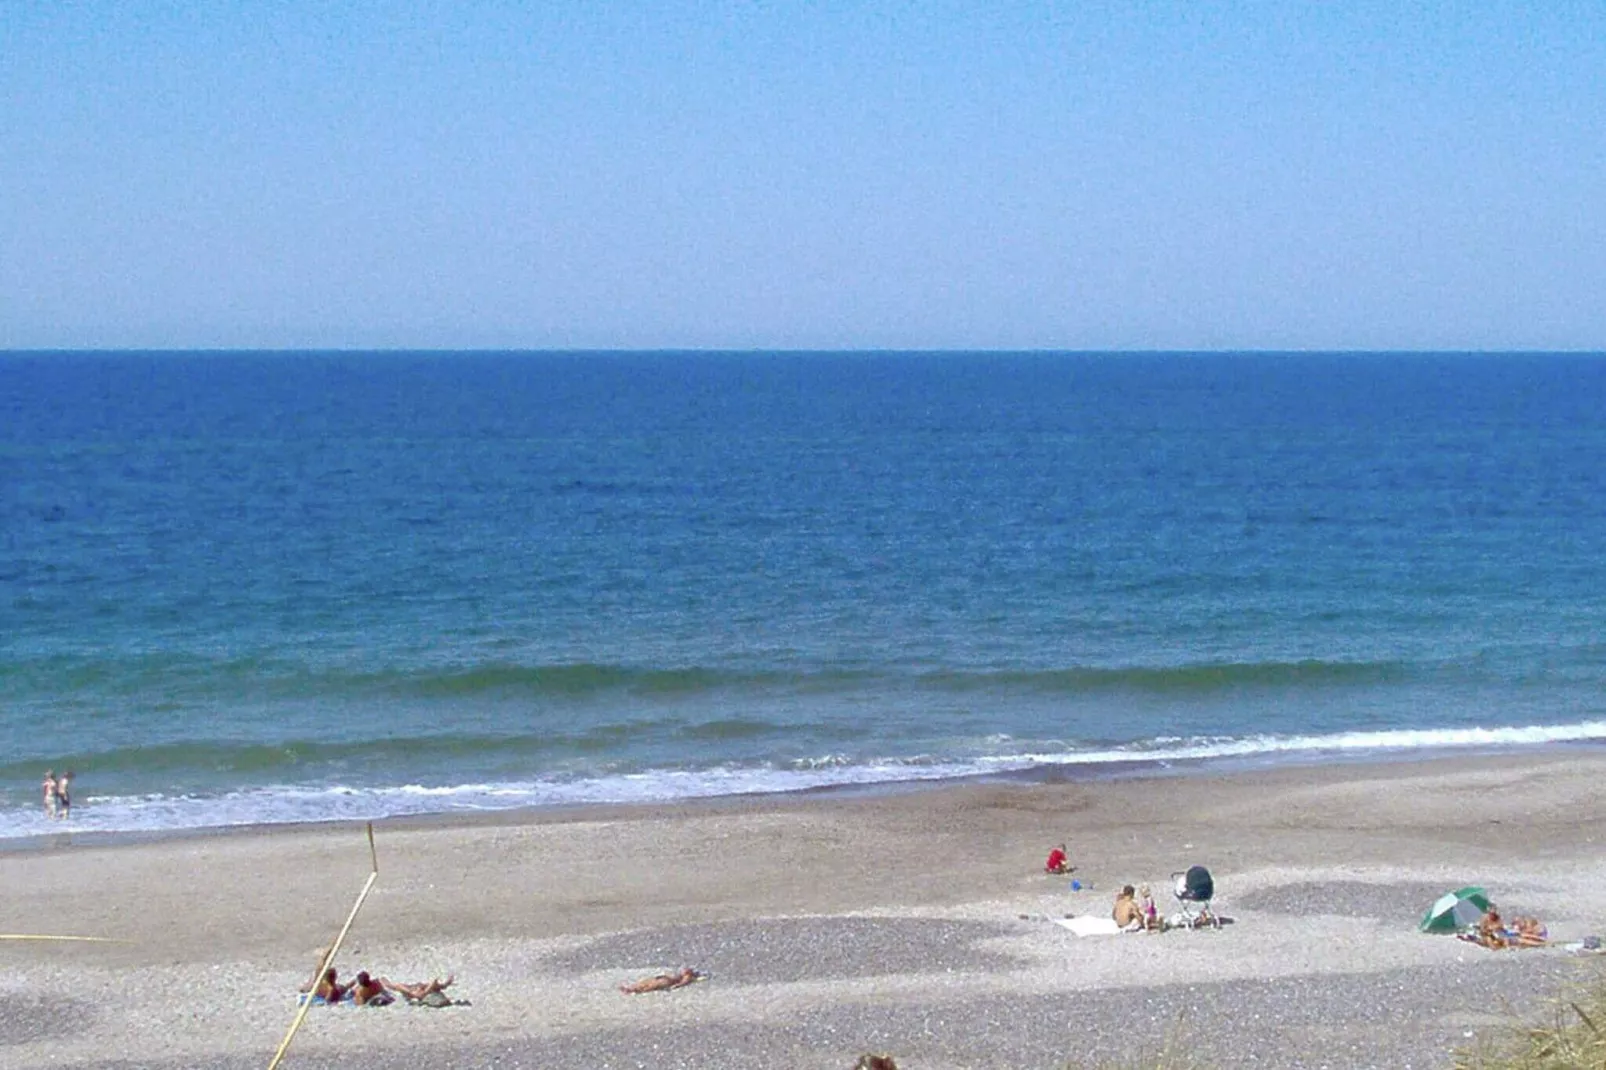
[782, 351]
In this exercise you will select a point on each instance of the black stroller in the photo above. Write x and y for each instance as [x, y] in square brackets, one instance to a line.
[1194, 890]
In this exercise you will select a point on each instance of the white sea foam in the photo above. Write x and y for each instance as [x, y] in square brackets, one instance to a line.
[286, 804]
[1174, 749]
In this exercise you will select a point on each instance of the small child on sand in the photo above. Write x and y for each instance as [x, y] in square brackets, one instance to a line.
[1058, 861]
[1151, 916]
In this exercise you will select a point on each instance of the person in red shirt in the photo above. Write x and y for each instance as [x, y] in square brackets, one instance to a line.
[1058, 861]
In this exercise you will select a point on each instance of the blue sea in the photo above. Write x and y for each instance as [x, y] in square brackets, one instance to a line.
[246, 588]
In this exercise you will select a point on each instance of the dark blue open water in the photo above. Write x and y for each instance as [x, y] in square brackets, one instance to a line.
[242, 588]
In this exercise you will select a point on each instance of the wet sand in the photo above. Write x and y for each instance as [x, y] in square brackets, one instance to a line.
[830, 926]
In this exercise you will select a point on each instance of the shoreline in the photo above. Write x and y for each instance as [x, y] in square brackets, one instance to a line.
[1044, 774]
[916, 923]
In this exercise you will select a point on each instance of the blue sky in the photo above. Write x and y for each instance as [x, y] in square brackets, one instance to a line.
[1011, 175]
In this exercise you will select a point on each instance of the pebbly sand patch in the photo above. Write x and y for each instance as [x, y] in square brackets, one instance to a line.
[789, 950]
[1399, 901]
[29, 1018]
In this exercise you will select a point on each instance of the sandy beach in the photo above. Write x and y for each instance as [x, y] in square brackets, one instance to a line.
[917, 924]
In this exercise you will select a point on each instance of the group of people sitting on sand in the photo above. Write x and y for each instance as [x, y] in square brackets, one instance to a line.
[1494, 933]
[367, 991]
[1134, 910]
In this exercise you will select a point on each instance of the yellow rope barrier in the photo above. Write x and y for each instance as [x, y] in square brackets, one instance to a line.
[334, 948]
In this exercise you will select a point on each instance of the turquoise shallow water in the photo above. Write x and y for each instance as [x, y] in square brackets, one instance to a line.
[243, 588]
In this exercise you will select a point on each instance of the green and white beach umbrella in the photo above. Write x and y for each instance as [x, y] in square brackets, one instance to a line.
[1455, 910]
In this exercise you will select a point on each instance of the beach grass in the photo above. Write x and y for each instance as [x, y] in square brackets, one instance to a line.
[1163, 1060]
[1569, 1035]
[1175, 1051]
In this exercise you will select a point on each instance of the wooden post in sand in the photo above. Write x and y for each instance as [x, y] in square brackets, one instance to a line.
[334, 948]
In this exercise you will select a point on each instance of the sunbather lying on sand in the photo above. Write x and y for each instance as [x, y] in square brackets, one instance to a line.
[1494, 933]
[1528, 932]
[684, 976]
[415, 992]
[1519, 932]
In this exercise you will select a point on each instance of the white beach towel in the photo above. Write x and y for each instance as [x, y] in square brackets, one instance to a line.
[1089, 926]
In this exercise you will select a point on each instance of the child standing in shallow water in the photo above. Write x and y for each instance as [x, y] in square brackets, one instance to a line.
[52, 794]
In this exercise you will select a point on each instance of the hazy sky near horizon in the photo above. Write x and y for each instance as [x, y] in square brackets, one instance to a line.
[837, 175]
